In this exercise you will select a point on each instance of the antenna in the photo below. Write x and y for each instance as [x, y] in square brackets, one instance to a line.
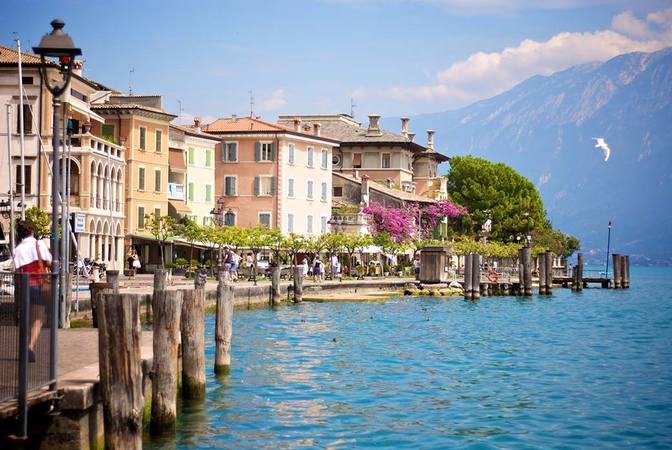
[179, 109]
[352, 107]
[130, 79]
[251, 103]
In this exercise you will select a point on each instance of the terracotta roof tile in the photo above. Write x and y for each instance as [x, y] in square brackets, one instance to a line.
[229, 124]
[11, 56]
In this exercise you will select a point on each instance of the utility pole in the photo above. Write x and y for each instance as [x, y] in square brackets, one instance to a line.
[608, 245]
[352, 107]
[12, 245]
[21, 135]
[251, 103]
[130, 79]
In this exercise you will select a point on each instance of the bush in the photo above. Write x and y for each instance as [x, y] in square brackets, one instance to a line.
[181, 263]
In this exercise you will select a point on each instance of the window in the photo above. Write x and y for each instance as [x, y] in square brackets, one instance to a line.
[208, 192]
[230, 151]
[141, 178]
[27, 119]
[290, 187]
[26, 180]
[190, 156]
[141, 217]
[290, 153]
[190, 192]
[157, 180]
[157, 213]
[323, 224]
[265, 219]
[323, 191]
[158, 141]
[325, 158]
[108, 132]
[356, 160]
[208, 158]
[230, 218]
[385, 161]
[290, 222]
[309, 224]
[309, 190]
[338, 191]
[207, 220]
[264, 185]
[27, 80]
[309, 162]
[143, 137]
[264, 151]
[229, 185]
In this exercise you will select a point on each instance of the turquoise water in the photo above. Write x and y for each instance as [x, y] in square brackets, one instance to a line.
[573, 370]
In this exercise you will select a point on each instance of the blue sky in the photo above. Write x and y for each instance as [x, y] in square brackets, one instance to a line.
[311, 56]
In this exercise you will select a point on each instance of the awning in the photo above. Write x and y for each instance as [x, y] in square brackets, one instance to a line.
[146, 235]
[179, 206]
[176, 160]
[73, 102]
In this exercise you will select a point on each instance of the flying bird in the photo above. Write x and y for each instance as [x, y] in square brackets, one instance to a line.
[601, 143]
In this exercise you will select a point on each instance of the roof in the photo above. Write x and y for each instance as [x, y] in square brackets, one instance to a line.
[434, 155]
[255, 125]
[192, 131]
[9, 56]
[398, 193]
[122, 106]
[344, 128]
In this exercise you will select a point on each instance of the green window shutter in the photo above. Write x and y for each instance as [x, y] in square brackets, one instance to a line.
[272, 185]
[257, 185]
[141, 217]
[157, 181]
[208, 192]
[141, 178]
[273, 151]
[190, 156]
[190, 193]
[223, 152]
[234, 152]
[143, 131]
[208, 161]
[257, 151]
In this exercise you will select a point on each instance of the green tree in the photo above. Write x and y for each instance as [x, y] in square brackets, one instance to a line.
[496, 191]
[256, 239]
[39, 220]
[191, 232]
[294, 244]
[554, 240]
[162, 228]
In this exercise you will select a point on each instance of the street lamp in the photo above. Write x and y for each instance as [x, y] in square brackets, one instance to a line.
[56, 45]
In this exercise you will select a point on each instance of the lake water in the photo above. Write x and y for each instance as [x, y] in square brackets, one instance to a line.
[573, 370]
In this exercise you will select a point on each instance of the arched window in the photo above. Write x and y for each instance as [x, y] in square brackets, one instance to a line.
[74, 178]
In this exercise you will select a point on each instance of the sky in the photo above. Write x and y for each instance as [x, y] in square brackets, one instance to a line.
[389, 57]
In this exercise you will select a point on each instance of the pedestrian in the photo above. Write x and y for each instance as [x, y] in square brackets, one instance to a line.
[32, 256]
[335, 266]
[416, 266]
[136, 263]
[129, 261]
[317, 269]
[235, 263]
[304, 267]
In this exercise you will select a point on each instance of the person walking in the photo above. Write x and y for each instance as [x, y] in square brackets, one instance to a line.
[32, 256]
[317, 269]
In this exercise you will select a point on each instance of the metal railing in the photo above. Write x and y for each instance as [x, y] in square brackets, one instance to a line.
[27, 339]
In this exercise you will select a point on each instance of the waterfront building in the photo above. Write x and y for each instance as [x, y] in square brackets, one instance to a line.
[191, 178]
[273, 175]
[143, 125]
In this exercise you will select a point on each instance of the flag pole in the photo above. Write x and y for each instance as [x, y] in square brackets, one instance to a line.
[608, 245]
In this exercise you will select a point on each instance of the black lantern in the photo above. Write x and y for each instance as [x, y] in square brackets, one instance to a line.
[59, 45]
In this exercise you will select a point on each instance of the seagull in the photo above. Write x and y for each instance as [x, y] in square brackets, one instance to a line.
[601, 143]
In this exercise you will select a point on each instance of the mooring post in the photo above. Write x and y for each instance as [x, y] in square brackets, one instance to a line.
[96, 289]
[112, 277]
[527, 271]
[625, 270]
[223, 327]
[160, 279]
[541, 260]
[468, 294]
[475, 276]
[521, 272]
[120, 369]
[298, 284]
[617, 270]
[275, 285]
[192, 327]
[167, 307]
[579, 277]
[549, 272]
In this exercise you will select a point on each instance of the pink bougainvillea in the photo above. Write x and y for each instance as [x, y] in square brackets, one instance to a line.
[411, 219]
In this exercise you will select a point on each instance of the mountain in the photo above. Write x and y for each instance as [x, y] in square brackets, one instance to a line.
[544, 127]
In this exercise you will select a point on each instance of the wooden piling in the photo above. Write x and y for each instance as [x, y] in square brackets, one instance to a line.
[521, 272]
[167, 308]
[617, 270]
[527, 271]
[297, 280]
[223, 327]
[120, 369]
[549, 272]
[541, 259]
[475, 276]
[97, 289]
[579, 267]
[625, 271]
[275, 285]
[160, 279]
[468, 294]
[192, 328]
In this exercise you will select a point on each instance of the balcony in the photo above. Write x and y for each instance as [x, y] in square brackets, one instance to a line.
[176, 191]
[97, 144]
[348, 219]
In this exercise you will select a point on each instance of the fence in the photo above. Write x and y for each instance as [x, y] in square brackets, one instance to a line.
[27, 339]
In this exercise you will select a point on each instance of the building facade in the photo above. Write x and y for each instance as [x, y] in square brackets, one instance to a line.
[273, 175]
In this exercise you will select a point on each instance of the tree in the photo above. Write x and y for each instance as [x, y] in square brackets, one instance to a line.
[39, 220]
[294, 244]
[496, 191]
[398, 223]
[256, 239]
[554, 240]
[192, 232]
[162, 228]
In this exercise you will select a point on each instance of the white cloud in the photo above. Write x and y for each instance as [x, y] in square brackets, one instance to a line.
[544, 179]
[273, 103]
[485, 7]
[483, 75]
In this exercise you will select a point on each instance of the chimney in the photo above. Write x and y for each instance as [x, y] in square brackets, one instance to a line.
[197, 124]
[411, 136]
[374, 127]
[297, 124]
[234, 117]
[316, 129]
[365, 190]
[430, 140]
[77, 67]
[355, 174]
[389, 182]
[404, 126]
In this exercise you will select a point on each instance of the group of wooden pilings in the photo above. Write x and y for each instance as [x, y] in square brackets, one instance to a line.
[177, 315]
[621, 270]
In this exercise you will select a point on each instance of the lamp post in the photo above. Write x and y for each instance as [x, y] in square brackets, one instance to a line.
[606, 274]
[57, 45]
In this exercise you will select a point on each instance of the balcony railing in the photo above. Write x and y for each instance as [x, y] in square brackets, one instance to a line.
[98, 145]
[176, 191]
[348, 219]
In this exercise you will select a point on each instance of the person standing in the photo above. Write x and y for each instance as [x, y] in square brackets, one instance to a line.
[416, 267]
[317, 269]
[32, 256]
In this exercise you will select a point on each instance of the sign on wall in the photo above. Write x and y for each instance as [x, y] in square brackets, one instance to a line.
[79, 223]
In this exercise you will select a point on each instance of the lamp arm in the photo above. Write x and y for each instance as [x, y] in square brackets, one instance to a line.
[56, 90]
